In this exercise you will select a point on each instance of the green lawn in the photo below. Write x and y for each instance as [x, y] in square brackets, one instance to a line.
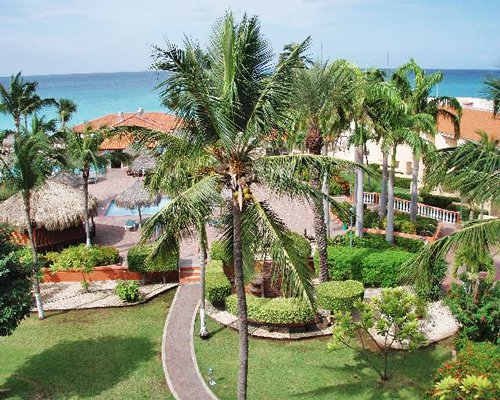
[307, 370]
[88, 354]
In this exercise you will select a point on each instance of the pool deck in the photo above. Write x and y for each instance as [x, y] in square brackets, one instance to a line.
[110, 229]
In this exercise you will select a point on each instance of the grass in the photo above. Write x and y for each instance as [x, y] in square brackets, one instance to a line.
[308, 370]
[87, 354]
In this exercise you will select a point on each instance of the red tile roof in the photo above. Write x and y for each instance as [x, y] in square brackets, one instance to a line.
[472, 121]
[157, 121]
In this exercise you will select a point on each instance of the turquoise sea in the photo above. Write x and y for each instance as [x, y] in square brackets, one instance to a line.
[98, 94]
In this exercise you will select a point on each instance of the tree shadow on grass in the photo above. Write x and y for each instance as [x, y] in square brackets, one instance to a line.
[78, 368]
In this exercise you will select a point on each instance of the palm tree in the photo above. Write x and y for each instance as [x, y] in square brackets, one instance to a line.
[65, 108]
[418, 100]
[472, 169]
[492, 85]
[83, 154]
[226, 110]
[20, 100]
[321, 97]
[33, 159]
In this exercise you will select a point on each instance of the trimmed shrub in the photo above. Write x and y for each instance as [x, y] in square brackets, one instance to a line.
[377, 241]
[128, 291]
[438, 201]
[302, 245]
[339, 295]
[82, 258]
[137, 259]
[219, 251]
[344, 262]
[279, 310]
[383, 268]
[401, 182]
[217, 286]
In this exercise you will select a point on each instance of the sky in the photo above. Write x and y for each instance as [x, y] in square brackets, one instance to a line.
[79, 36]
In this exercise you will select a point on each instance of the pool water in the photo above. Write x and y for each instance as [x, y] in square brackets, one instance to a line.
[115, 211]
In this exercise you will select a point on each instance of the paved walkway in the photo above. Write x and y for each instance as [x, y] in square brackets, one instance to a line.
[178, 358]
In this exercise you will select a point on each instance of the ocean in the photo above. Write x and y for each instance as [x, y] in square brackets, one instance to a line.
[99, 94]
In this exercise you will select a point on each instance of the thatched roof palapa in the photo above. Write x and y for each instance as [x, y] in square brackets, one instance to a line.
[68, 178]
[137, 196]
[54, 206]
[143, 162]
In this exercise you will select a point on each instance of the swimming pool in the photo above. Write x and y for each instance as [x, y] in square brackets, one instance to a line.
[115, 211]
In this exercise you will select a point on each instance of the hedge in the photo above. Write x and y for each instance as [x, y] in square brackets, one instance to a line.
[279, 310]
[383, 268]
[220, 251]
[370, 266]
[217, 286]
[138, 262]
[438, 201]
[377, 241]
[339, 295]
[82, 258]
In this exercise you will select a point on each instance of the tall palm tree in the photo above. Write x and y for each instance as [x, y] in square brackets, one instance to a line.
[21, 100]
[418, 100]
[65, 109]
[33, 159]
[226, 111]
[83, 153]
[321, 98]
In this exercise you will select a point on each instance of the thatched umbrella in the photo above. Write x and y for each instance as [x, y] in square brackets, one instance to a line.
[137, 196]
[54, 206]
[142, 163]
[68, 178]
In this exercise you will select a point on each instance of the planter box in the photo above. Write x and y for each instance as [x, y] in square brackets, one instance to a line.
[109, 272]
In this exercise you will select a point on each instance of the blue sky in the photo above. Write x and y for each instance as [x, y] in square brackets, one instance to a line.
[64, 36]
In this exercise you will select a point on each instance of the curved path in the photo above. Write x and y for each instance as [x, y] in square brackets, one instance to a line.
[178, 358]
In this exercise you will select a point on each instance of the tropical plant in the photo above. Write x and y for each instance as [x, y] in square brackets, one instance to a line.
[65, 109]
[471, 387]
[492, 86]
[15, 285]
[425, 112]
[227, 107]
[321, 98]
[33, 160]
[83, 154]
[392, 317]
[21, 100]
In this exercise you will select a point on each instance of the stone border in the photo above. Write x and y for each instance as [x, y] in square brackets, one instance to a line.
[164, 347]
[264, 331]
[144, 300]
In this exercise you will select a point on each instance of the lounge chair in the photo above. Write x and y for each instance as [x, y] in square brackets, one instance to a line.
[130, 225]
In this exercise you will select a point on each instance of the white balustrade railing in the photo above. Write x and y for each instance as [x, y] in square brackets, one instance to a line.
[423, 210]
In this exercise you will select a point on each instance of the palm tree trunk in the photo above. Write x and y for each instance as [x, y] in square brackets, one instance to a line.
[17, 122]
[358, 157]
[86, 200]
[382, 209]
[242, 302]
[34, 270]
[140, 216]
[389, 229]
[414, 188]
[325, 189]
[203, 261]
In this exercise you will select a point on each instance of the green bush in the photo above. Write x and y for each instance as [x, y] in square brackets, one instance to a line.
[383, 268]
[423, 226]
[302, 245]
[400, 182]
[339, 295]
[128, 291]
[370, 219]
[220, 251]
[426, 226]
[82, 258]
[344, 262]
[438, 201]
[137, 259]
[217, 286]
[279, 310]
[481, 358]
